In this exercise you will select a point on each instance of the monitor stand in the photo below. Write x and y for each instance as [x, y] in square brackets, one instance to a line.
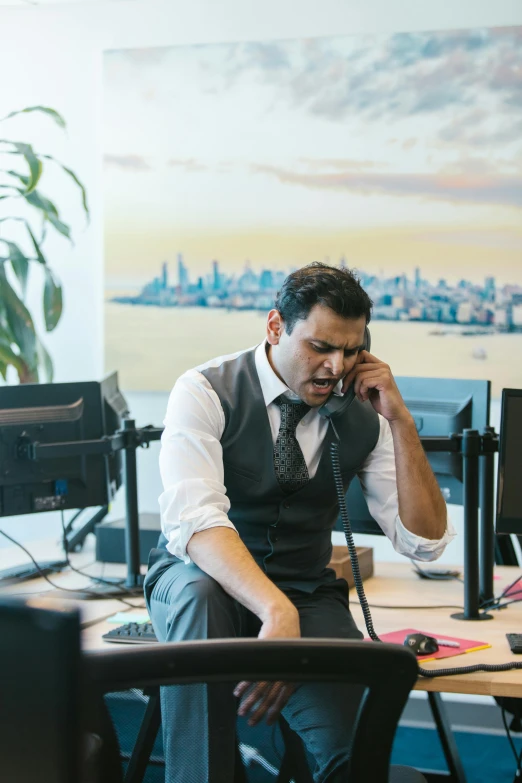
[128, 440]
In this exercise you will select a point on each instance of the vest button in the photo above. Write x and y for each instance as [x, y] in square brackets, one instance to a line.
[286, 505]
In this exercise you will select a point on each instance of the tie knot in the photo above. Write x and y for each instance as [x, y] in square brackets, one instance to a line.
[291, 412]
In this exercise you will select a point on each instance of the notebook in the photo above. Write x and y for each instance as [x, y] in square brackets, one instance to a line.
[466, 645]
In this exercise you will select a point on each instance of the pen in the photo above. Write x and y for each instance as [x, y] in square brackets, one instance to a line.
[447, 643]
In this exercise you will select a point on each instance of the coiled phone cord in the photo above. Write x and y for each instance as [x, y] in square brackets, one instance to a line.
[480, 667]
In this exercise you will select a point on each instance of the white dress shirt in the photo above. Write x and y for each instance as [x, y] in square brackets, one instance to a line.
[192, 472]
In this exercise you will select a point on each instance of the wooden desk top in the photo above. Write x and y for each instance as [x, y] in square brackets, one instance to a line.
[91, 611]
[396, 585]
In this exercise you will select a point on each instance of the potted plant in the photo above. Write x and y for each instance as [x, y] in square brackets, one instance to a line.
[26, 215]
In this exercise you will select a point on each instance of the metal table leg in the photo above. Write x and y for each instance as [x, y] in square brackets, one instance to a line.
[145, 739]
[447, 739]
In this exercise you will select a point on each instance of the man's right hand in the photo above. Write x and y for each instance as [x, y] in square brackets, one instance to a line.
[280, 623]
[268, 698]
[220, 552]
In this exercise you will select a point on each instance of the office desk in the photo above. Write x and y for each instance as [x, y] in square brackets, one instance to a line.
[396, 585]
[92, 611]
[393, 585]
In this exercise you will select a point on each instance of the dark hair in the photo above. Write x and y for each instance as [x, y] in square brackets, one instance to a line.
[334, 287]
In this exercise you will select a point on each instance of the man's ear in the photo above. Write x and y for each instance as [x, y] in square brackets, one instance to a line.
[274, 327]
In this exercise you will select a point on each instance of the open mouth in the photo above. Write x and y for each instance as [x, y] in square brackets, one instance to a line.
[323, 385]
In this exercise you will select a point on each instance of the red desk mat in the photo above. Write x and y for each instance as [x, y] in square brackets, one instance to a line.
[466, 645]
[515, 591]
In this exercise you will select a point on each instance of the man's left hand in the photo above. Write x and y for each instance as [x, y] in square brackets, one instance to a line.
[263, 699]
[373, 380]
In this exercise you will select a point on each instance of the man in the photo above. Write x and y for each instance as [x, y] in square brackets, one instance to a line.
[249, 505]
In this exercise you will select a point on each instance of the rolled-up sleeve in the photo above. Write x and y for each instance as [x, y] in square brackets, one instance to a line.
[379, 484]
[191, 464]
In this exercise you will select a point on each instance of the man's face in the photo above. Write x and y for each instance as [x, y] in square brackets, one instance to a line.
[319, 352]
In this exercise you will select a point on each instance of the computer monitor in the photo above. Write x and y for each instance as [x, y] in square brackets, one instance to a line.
[509, 492]
[439, 406]
[58, 413]
[114, 410]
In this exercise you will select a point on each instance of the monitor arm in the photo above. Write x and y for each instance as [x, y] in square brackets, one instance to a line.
[128, 440]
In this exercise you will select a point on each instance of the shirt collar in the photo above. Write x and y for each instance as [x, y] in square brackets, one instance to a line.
[271, 385]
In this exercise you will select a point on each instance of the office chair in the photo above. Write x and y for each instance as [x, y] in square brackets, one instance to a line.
[387, 672]
[51, 727]
[54, 725]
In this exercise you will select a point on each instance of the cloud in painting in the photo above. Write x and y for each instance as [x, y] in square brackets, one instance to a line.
[148, 56]
[267, 56]
[129, 162]
[338, 163]
[500, 240]
[506, 77]
[496, 137]
[407, 49]
[463, 77]
[479, 189]
[187, 164]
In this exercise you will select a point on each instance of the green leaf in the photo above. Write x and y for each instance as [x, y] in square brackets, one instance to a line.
[33, 161]
[10, 357]
[76, 180]
[22, 177]
[50, 213]
[44, 109]
[61, 227]
[19, 262]
[7, 357]
[39, 255]
[19, 321]
[19, 219]
[45, 361]
[41, 202]
[5, 332]
[52, 300]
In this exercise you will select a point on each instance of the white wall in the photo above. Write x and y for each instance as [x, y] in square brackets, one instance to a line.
[52, 55]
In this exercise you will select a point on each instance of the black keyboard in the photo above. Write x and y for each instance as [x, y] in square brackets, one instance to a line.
[21, 573]
[131, 633]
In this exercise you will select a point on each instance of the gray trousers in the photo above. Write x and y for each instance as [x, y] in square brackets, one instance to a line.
[199, 721]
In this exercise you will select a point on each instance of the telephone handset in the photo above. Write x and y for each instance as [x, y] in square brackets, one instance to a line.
[336, 404]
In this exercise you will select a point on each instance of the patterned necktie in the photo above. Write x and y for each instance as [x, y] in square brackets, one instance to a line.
[289, 463]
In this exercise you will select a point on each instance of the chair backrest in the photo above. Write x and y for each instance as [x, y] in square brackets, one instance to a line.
[39, 694]
[388, 672]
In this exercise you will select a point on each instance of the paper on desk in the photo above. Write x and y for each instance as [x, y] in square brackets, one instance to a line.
[128, 617]
[466, 645]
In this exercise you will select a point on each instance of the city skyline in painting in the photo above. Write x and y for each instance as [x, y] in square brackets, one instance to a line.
[390, 153]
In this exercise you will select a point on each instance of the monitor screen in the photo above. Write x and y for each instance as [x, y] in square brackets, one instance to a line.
[439, 406]
[509, 497]
[57, 413]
